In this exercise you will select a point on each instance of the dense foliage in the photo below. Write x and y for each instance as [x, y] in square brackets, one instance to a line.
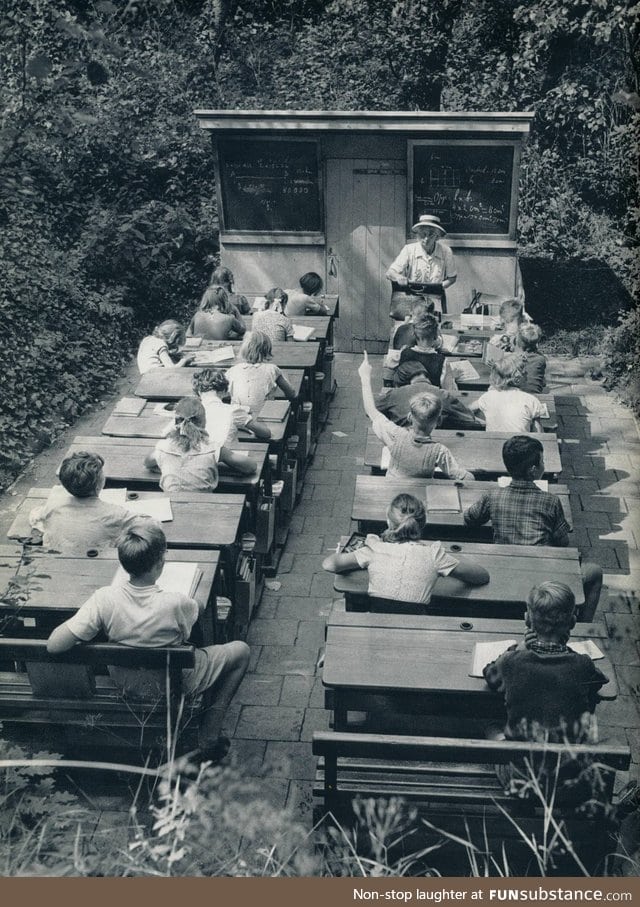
[107, 210]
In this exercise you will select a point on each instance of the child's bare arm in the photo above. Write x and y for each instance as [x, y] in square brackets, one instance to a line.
[341, 563]
[61, 640]
[259, 429]
[471, 573]
[244, 465]
[285, 387]
[367, 393]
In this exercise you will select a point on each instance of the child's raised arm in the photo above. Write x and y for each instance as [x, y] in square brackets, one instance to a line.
[367, 393]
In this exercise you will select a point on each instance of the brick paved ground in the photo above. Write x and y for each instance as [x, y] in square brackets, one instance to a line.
[280, 702]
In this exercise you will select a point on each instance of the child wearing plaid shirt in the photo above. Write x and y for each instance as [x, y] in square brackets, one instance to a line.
[522, 514]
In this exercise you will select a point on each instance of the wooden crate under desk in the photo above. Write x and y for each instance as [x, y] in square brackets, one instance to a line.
[476, 450]
[513, 571]
[373, 494]
[172, 384]
[200, 519]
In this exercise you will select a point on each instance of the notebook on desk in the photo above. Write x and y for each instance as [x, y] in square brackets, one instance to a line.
[175, 577]
[486, 652]
[129, 406]
[443, 498]
[274, 411]
[463, 370]
[449, 342]
[300, 332]
[192, 343]
[158, 508]
[214, 357]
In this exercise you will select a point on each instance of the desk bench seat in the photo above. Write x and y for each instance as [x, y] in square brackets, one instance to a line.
[74, 696]
[454, 784]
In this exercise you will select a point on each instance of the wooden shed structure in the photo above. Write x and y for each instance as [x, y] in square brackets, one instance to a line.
[336, 192]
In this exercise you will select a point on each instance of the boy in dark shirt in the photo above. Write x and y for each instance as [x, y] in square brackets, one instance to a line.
[395, 403]
[550, 691]
[522, 514]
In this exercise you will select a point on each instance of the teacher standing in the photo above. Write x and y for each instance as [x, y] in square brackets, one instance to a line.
[425, 268]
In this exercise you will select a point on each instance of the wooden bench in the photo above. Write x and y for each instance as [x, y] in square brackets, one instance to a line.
[454, 785]
[75, 698]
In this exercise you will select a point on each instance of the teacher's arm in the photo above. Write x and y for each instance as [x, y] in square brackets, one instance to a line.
[398, 271]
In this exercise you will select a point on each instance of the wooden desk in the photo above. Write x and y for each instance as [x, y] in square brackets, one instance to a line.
[147, 423]
[322, 326]
[124, 464]
[374, 493]
[514, 570]
[290, 354]
[421, 663]
[475, 450]
[331, 302]
[200, 520]
[172, 384]
[60, 584]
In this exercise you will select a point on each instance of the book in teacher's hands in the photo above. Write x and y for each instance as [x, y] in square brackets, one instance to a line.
[176, 576]
[486, 652]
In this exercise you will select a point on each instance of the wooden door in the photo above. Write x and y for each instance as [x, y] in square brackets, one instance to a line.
[365, 222]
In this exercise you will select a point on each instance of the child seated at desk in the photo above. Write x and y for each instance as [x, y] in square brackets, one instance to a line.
[400, 567]
[505, 407]
[223, 277]
[413, 453]
[253, 380]
[156, 349]
[427, 351]
[550, 691]
[512, 315]
[216, 318]
[223, 419]
[395, 403]
[405, 334]
[302, 301]
[523, 514]
[140, 613]
[535, 364]
[272, 320]
[187, 459]
[74, 519]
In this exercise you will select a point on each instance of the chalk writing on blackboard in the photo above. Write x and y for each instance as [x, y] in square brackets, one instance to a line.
[270, 186]
[467, 186]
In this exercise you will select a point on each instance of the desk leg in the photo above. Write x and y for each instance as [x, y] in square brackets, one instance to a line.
[339, 715]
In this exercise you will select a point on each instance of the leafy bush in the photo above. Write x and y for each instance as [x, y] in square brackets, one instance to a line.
[622, 358]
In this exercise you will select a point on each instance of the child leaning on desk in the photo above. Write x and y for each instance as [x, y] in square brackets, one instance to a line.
[400, 567]
[427, 350]
[140, 613]
[413, 453]
[156, 349]
[187, 459]
[504, 406]
[272, 320]
[74, 519]
[223, 419]
[254, 379]
[523, 514]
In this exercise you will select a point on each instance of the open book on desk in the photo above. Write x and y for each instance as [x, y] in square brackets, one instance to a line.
[214, 357]
[175, 577]
[463, 370]
[274, 411]
[486, 652]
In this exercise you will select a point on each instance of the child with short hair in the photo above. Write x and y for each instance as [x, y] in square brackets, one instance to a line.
[505, 407]
[253, 379]
[511, 317]
[427, 351]
[523, 514]
[223, 277]
[140, 613]
[216, 319]
[400, 567]
[74, 519]
[156, 349]
[272, 320]
[535, 363]
[405, 335]
[302, 301]
[550, 691]
[222, 418]
[395, 403]
[413, 453]
[186, 458]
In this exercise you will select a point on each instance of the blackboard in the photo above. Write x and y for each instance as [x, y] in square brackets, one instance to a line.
[467, 186]
[269, 186]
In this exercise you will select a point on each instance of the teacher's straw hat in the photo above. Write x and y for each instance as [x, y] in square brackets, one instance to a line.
[429, 220]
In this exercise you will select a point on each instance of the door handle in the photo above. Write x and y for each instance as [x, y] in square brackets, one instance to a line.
[333, 264]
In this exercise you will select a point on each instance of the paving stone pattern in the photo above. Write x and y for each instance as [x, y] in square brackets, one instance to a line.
[280, 702]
